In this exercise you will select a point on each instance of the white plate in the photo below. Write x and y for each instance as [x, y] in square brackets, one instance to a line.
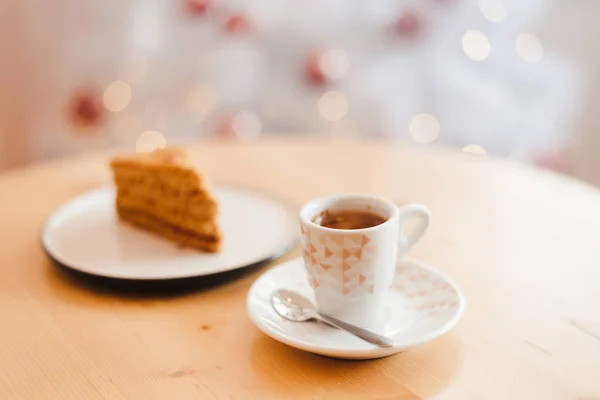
[86, 235]
[422, 305]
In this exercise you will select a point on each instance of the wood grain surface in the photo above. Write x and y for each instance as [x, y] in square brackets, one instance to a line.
[524, 246]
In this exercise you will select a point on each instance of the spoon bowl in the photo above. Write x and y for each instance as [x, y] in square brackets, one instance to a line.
[292, 306]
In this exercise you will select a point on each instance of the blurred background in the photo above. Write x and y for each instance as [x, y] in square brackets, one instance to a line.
[511, 78]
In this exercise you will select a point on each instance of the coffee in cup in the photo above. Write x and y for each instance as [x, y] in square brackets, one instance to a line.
[348, 219]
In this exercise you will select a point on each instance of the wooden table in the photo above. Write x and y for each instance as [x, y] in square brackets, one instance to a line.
[524, 245]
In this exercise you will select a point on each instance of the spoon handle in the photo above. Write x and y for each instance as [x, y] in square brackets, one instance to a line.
[364, 334]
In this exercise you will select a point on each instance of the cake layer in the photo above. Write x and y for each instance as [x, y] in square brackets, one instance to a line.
[170, 180]
[184, 220]
[145, 183]
[209, 243]
[198, 210]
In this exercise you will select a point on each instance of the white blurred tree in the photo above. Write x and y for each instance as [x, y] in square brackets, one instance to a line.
[431, 71]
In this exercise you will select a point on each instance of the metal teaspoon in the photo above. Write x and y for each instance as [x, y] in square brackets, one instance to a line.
[295, 307]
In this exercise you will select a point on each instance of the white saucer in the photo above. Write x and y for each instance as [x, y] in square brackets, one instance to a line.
[422, 305]
[86, 235]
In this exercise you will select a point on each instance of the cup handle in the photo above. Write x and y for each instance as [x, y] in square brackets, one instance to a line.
[422, 214]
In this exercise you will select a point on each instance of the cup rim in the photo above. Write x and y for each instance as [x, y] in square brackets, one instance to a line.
[393, 208]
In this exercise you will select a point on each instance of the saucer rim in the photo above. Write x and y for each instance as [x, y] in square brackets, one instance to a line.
[366, 352]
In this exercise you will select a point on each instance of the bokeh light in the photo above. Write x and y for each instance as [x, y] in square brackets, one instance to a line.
[475, 149]
[476, 45]
[424, 128]
[246, 125]
[333, 105]
[117, 96]
[493, 10]
[149, 141]
[529, 47]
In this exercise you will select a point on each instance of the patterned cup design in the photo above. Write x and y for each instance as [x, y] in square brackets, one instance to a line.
[343, 263]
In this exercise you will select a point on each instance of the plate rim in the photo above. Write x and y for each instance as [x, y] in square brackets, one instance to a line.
[294, 239]
[360, 353]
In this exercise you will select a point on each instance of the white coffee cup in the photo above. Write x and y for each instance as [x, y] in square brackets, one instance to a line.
[350, 270]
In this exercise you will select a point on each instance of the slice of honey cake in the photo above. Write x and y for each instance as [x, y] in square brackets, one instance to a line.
[161, 192]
